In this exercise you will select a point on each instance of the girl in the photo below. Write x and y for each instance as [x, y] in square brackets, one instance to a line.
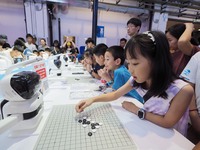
[43, 44]
[90, 64]
[166, 98]
[182, 46]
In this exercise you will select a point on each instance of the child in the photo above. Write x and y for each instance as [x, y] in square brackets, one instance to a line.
[90, 64]
[35, 52]
[99, 52]
[48, 51]
[166, 98]
[114, 60]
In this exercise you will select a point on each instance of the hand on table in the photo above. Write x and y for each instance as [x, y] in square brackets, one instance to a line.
[130, 107]
[88, 67]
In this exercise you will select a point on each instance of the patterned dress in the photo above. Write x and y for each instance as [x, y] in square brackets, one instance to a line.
[160, 106]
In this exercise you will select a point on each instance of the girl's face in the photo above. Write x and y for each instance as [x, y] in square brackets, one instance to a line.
[42, 42]
[173, 42]
[55, 44]
[109, 62]
[99, 59]
[88, 60]
[139, 68]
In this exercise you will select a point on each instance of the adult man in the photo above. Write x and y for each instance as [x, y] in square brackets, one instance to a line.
[133, 26]
[123, 42]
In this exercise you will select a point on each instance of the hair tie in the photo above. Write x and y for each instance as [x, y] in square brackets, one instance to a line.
[150, 36]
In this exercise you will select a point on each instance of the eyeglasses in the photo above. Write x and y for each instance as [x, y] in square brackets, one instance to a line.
[130, 26]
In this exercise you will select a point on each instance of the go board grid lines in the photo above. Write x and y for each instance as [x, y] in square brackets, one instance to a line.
[62, 131]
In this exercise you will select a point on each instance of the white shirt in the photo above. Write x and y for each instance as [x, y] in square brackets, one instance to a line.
[191, 73]
[7, 54]
[30, 46]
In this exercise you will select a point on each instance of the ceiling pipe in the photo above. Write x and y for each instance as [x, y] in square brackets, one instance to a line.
[174, 4]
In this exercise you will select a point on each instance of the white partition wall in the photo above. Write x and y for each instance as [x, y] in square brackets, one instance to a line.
[37, 19]
[12, 21]
[159, 21]
[78, 22]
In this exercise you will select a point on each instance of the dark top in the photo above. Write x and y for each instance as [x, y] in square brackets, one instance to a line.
[97, 67]
[180, 60]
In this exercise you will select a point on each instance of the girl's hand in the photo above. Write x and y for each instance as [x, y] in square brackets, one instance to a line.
[189, 25]
[83, 104]
[130, 107]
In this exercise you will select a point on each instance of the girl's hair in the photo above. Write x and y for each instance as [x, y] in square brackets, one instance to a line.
[176, 30]
[88, 53]
[117, 52]
[155, 47]
[43, 39]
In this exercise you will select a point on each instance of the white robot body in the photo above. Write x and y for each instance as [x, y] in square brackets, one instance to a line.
[29, 112]
[23, 106]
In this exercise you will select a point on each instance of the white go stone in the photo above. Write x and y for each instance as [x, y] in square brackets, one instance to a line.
[94, 130]
[84, 125]
[88, 119]
[97, 127]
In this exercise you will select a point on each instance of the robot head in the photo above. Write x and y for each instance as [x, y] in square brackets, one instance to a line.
[65, 58]
[20, 86]
[57, 62]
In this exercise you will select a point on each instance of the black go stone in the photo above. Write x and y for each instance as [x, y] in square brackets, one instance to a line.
[92, 124]
[84, 120]
[88, 122]
[90, 134]
[93, 127]
[79, 121]
[97, 124]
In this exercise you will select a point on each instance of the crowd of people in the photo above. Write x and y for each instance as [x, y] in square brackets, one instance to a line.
[158, 69]
[43, 49]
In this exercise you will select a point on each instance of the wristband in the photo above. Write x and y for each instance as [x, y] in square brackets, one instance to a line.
[91, 72]
[109, 83]
[193, 109]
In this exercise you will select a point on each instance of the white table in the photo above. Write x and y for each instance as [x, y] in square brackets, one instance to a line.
[146, 135]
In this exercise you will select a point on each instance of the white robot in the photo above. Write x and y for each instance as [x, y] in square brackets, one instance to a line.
[22, 106]
[57, 63]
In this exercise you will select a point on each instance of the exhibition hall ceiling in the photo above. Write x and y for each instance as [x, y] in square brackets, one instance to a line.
[179, 8]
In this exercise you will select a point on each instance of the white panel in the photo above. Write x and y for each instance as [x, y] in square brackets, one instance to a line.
[78, 22]
[12, 21]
